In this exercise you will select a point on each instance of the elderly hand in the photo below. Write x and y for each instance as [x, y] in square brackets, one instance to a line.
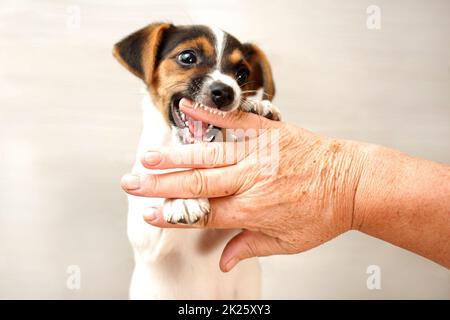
[292, 190]
[297, 196]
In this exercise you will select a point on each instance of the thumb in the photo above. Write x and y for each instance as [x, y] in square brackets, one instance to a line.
[248, 244]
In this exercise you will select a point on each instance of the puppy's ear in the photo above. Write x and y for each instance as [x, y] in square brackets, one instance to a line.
[261, 71]
[138, 52]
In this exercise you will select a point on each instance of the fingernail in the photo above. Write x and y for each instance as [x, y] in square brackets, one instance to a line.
[186, 103]
[150, 214]
[152, 157]
[231, 263]
[131, 182]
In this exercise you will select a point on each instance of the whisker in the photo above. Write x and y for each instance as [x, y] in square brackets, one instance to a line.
[256, 91]
[247, 105]
[246, 83]
[175, 85]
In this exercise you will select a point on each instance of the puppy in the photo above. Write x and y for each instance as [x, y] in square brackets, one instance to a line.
[219, 73]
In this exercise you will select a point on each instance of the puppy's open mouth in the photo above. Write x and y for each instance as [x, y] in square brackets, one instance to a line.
[191, 130]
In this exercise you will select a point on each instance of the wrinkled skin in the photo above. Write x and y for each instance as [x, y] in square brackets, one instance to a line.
[306, 202]
[321, 188]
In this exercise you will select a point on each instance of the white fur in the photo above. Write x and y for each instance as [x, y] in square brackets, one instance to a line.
[217, 75]
[185, 210]
[220, 37]
[179, 263]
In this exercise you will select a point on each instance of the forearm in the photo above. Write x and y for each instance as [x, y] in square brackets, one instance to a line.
[405, 201]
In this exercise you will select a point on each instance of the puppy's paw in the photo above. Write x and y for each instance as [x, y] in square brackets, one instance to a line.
[269, 111]
[187, 211]
[263, 108]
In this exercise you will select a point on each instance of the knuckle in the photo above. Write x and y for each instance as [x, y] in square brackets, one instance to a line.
[152, 182]
[250, 248]
[212, 154]
[195, 183]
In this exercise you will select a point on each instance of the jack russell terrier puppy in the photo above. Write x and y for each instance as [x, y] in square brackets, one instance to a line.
[220, 74]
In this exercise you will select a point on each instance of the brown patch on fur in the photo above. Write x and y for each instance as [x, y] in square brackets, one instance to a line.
[201, 43]
[235, 56]
[261, 72]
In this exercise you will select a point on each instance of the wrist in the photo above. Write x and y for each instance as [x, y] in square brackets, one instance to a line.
[352, 167]
[378, 181]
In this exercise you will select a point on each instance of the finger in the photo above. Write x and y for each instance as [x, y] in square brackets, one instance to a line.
[248, 244]
[155, 217]
[232, 120]
[198, 155]
[197, 183]
[224, 214]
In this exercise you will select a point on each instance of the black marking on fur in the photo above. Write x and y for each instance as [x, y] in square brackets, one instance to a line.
[231, 43]
[177, 35]
[130, 50]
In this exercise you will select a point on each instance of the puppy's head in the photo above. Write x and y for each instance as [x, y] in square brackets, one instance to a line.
[205, 65]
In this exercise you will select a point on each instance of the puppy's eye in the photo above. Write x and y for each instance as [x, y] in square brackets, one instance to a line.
[187, 58]
[242, 75]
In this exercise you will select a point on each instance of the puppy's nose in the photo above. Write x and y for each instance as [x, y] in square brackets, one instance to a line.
[221, 94]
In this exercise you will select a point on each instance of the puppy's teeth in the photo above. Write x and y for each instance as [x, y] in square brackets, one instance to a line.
[214, 112]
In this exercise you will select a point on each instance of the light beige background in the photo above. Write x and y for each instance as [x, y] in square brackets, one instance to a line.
[70, 121]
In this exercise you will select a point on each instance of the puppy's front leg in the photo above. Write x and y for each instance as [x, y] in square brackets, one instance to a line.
[187, 211]
[263, 108]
